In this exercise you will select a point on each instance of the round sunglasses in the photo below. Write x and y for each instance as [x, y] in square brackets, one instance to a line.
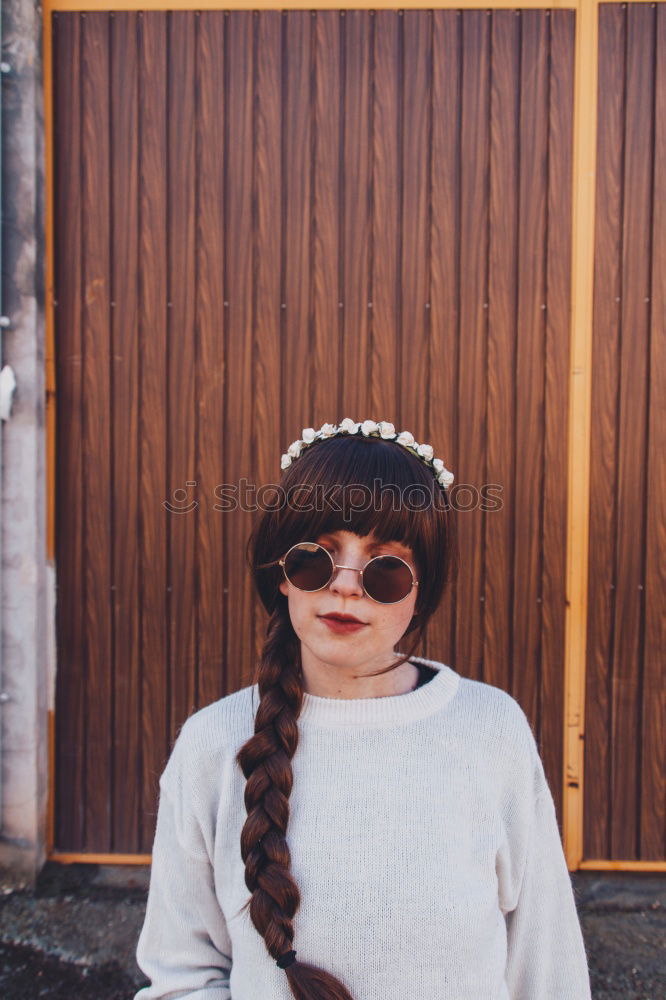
[310, 567]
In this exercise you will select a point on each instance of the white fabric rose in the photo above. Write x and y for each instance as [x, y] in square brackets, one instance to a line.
[386, 429]
[294, 449]
[327, 430]
[445, 478]
[350, 426]
[438, 465]
[425, 451]
[308, 435]
[369, 427]
[406, 439]
[285, 462]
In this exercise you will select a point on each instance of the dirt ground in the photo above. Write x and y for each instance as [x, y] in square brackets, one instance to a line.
[75, 935]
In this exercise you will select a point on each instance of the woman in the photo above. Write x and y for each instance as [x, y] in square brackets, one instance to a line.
[359, 823]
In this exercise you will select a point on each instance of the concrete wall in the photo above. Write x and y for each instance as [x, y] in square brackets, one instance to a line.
[27, 584]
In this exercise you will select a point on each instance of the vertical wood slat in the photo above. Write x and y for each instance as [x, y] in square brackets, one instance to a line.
[123, 333]
[530, 356]
[297, 219]
[268, 314]
[355, 215]
[153, 697]
[97, 415]
[326, 342]
[472, 370]
[557, 366]
[71, 687]
[416, 69]
[653, 745]
[502, 303]
[443, 403]
[212, 361]
[240, 435]
[631, 441]
[182, 374]
[383, 393]
[603, 495]
[315, 172]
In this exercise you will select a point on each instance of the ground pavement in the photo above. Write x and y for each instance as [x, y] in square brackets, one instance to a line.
[76, 934]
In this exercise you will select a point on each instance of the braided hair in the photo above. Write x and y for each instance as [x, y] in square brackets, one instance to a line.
[265, 758]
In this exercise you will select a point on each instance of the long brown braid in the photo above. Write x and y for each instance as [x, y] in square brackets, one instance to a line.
[265, 758]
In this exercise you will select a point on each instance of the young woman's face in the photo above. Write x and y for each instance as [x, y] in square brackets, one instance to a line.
[384, 624]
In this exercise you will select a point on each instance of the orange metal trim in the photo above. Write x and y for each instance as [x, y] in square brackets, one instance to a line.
[580, 394]
[48, 305]
[73, 858]
[88, 5]
[70, 858]
[623, 866]
[73, 5]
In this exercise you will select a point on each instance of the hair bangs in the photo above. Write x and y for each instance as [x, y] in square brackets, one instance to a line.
[360, 485]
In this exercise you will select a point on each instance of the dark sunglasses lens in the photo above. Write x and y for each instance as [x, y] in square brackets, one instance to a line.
[387, 579]
[308, 566]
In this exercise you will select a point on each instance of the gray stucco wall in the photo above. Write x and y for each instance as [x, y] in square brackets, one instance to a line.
[26, 671]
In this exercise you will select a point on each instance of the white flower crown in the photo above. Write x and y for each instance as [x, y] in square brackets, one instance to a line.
[369, 428]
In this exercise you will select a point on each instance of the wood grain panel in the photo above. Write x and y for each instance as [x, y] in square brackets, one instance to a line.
[269, 434]
[97, 416]
[530, 360]
[413, 384]
[355, 359]
[603, 444]
[70, 709]
[630, 553]
[154, 487]
[383, 394]
[212, 367]
[653, 735]
[558, 298]
[625, 694]
[472, 370]
[124, 372]
[327, 316]
[299, 216]
[502, 311]
[443, 414]
[240, 437]
[182, 370]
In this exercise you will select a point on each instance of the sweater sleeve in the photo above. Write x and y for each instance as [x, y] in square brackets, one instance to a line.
[546, 958]
[184, 946]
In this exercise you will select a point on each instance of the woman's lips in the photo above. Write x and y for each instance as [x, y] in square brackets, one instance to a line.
[342, 627]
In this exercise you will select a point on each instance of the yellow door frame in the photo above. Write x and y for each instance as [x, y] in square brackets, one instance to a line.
[580, 382]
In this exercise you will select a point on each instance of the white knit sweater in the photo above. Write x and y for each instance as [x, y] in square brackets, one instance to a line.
[424, 843]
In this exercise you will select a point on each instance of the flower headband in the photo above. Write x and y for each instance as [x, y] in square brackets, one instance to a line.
[369, 428]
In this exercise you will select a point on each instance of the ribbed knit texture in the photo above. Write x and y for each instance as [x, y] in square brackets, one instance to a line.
[424, 843]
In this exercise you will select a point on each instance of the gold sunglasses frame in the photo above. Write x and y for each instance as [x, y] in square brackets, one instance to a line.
[335, 566]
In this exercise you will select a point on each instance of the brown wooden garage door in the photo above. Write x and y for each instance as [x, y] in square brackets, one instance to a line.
[265, 221]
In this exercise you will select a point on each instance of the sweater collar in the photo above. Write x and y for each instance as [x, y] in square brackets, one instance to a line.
[387, 710]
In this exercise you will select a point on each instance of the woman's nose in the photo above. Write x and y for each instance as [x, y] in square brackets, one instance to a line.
[346, 582]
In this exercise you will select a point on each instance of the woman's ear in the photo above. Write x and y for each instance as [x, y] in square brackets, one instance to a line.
[284, 587]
